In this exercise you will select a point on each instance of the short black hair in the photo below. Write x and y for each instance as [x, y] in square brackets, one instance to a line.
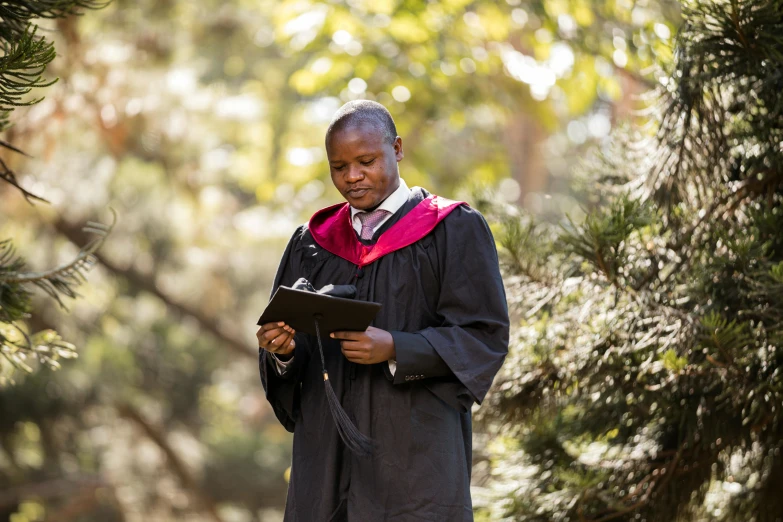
[360, 112]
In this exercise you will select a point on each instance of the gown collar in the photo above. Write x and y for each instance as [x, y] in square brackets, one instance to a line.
[333, 230]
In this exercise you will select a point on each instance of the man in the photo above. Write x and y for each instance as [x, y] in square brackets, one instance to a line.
[408, 381]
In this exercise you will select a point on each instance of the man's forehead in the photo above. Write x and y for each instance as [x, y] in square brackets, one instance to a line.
[365, 132]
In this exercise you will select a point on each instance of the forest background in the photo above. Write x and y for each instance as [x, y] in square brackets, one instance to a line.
[201, 124]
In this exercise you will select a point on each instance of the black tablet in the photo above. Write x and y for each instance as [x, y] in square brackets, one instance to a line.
[298, 308]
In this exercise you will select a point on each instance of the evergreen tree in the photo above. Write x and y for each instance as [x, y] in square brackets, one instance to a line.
[25, 57]
[645, 380]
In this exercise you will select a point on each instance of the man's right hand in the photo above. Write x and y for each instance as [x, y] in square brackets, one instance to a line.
[277, 338]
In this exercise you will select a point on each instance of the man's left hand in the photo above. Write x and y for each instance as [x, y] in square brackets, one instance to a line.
[368, 347]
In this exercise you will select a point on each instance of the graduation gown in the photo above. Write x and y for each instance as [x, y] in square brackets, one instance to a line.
[444, 304]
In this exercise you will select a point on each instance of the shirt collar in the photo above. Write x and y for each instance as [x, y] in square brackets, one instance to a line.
[393, 202]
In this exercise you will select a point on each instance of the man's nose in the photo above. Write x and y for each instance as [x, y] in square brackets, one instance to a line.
[354, 174]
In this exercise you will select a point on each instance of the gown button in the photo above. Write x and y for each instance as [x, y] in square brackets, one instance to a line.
[359, 273]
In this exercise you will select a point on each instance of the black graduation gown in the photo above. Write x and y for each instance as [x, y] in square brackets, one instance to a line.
[444, 303]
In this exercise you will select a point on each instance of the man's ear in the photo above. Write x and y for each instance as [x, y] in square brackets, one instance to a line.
[398, 152]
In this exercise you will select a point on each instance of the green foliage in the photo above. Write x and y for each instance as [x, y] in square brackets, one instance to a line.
[16, 343]
[25, 58]
[21, 67]
[719, 128]
[202, 121]
[18, 13]
[604, 238]
[14, 298]
[660, 314]
[517, 240]
[673, 363]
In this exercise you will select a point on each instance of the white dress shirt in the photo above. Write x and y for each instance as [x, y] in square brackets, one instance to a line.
[392, 204]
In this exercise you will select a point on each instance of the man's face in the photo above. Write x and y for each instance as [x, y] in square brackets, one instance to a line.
[363, 164]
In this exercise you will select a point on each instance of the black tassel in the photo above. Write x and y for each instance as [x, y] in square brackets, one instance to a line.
[354, 439]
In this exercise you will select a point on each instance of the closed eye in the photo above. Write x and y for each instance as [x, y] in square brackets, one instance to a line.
[366, 163]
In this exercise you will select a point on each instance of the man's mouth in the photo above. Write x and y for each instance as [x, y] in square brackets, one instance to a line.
[358, 192]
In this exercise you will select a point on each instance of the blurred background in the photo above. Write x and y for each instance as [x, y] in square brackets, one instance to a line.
[201, 123]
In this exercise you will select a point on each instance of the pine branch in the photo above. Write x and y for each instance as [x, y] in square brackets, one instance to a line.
[15, 14]
[720, 112]
[603, 238]
[656, 334]
[21, 68]
[14, 298]
[9, 176]
[62, 280]
[47, 347]
[24, 59]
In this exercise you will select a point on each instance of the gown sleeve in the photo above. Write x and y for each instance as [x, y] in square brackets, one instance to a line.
[459, 358]
[282, 389]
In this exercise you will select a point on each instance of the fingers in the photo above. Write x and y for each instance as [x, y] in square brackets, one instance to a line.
[360, 357]
[285, 347]
[271, 335]
[280, 340]
[350, 336]
[274, 326]
[356, 352]
[266, 334]
[277, 340]
[356, 357]
[369, 347]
